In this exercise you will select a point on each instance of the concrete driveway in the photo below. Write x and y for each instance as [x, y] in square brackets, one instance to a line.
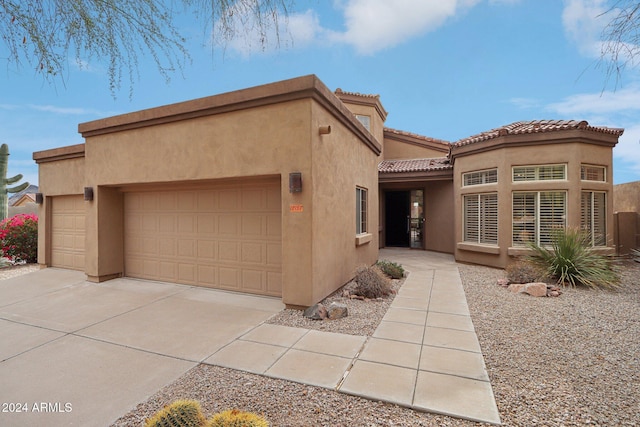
[83, 354]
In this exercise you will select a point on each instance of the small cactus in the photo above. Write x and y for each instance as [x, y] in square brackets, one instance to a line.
[235, 418]
[181, 413]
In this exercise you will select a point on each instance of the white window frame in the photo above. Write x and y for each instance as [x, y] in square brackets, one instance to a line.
[486, 176]
[527, 224]
[528, 173]
[593, 216]
[586, 169]
[361, 210]
[480, 218]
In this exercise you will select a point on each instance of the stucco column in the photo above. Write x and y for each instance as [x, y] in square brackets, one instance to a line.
[104, 238]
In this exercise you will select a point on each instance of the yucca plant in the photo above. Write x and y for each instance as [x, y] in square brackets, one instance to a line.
[571, 261]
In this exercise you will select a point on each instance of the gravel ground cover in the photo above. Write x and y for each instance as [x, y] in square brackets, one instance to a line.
[567, 361]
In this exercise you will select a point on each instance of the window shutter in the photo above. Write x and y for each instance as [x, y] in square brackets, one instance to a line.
[524, 218]
[553, 215]
[471, 215]
[489, 219]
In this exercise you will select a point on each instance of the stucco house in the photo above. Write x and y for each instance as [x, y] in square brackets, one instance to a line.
[284, 189]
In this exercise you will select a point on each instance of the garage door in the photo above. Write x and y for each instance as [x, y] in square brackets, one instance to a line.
[67, 232]
[225, 237]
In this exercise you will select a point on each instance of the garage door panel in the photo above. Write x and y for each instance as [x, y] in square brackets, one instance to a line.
[227, 237]
[252, 226]
[67, 232]
[229, 224]
[228, 200]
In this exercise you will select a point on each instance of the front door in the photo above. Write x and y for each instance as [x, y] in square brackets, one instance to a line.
[404, 218]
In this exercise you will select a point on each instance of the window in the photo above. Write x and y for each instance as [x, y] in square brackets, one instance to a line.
[489, 176]
[593, 173]
[361, 210]
[481, 218]
[593, 218]
[539, 173]
[365, 120]
[536, 215]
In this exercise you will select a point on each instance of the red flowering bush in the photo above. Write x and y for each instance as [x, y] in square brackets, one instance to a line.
[19, 237]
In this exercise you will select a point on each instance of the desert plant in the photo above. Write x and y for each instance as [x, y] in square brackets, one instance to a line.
[181, 413]
[570, 260]
[391, 269]
[4, 181]
[635, 255]
[19, 237]
[371, 282]
[525, 271]
[235, 418]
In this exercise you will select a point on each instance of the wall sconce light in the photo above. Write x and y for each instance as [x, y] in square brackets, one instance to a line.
[325, 130]
[39, 198]
[295, 182]
[88, 194]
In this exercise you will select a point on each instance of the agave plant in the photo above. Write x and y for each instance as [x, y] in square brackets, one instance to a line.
[572, 262]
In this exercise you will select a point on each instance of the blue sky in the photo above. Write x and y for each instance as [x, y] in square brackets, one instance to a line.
[443, 68]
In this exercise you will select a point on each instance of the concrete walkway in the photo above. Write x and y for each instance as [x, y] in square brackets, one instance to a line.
[79, 353]
[424, 355]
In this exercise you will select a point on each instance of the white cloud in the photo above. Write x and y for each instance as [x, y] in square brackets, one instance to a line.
[612, 109]
[583, 24]
[373, 25]
[524, 103]
[296, 31]
[370, 26]
[76, 111]
[620, 101]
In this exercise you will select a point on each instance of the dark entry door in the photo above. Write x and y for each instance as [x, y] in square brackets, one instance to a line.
[397, 218]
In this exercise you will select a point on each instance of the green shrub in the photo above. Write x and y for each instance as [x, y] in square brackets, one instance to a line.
[235, 418]
[391, 269]
[181, 413]
[371, 283]
[570, 260]
[525, 271]
[19, 237]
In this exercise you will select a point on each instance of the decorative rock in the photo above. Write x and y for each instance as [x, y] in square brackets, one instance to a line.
[503, 282]
[337, 311]
[316, 312]
[516, 287]
[554, 294]
[536, 289]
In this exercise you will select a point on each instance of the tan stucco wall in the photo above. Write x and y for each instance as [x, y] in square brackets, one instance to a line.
[626, 205]
[209, 148]
[439, 218]
[340, 163]
[56, 178]
[626, 197]
[201, 142]
[571, 153]
[394, 149]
